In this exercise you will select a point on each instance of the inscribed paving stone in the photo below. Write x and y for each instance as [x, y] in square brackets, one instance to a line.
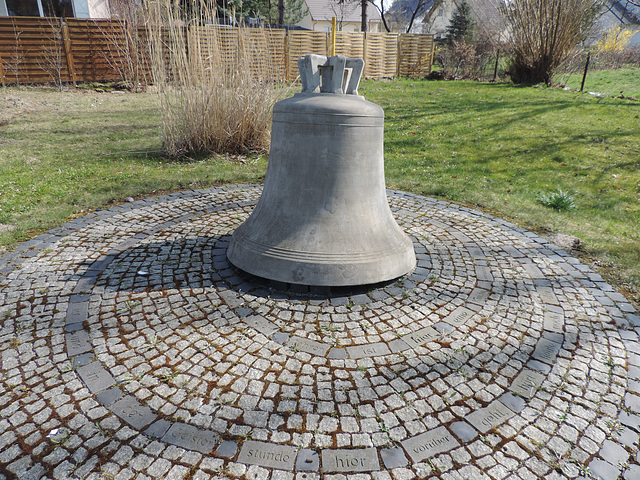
[136, 415]
[526, 383]
[430, 443]
[422, 336]
[191, 438]
[96, 377]
[547, 295]
[269, 455]
[360, 460]
[478, 296]
[546, 350]
[308, 346]
[77, 312]
[492, 415]
[261, 324]
[553, 322]
[77, 343]
[458, 317]
[371, 350]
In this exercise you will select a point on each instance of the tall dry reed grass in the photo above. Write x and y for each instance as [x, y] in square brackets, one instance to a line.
[210, 103]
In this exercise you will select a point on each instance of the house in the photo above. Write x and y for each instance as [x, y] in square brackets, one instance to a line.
[487, 16]
[348, 16]
[58, 8]
[620, 13]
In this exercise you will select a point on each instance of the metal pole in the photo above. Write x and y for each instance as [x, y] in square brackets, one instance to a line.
[586, 67]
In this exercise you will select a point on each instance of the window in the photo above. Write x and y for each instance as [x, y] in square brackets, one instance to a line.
[57, 8]
[23, 8]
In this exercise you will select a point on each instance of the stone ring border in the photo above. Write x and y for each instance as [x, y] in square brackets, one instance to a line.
[420, 447]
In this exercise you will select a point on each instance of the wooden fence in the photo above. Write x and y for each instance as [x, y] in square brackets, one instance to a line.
[42, 50]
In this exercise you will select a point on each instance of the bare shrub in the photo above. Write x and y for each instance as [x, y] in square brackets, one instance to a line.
[210, 103]
[458, 59]
[52, 59]
[126, 50]
[542, 33]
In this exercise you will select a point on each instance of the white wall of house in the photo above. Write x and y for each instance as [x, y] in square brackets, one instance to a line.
[99, 9]
[325, 26]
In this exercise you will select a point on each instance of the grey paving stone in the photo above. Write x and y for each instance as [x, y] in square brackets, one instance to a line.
[307, 460]
[604, 470]
[515, 404]
[227, 449]
[158, 428]
[110, 396]
[464, 431]
[393, 458]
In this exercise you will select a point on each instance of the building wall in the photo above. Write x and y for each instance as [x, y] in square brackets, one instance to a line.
[325, 26]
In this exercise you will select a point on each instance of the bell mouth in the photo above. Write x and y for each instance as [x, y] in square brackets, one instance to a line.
[301, 265]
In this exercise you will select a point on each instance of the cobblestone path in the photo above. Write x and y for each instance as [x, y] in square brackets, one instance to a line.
[130, 348]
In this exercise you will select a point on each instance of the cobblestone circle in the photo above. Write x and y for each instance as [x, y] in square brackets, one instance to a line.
[131, 348]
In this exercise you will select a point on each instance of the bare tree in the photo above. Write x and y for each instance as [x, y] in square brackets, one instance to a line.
[542, 34]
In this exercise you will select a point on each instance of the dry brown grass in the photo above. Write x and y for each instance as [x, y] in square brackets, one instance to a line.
[210, 103]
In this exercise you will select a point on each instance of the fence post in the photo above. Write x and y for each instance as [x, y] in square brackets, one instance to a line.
[586, 68]
[495, 69]
[398, 55]
[364, 53]
[2, 72]
[67, 49]
[333, 37]
[286, 55]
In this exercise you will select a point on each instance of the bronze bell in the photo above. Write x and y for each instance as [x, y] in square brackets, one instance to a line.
[323, 217]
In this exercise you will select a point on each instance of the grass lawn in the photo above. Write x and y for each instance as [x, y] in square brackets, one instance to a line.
[493, 146]
[625, 81]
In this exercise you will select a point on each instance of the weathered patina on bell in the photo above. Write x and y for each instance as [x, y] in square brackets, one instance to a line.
[323, 217]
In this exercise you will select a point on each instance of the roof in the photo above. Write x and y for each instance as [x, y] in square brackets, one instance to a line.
[348, 11]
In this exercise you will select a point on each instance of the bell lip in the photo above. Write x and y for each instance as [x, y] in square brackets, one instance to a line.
[396, 263]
